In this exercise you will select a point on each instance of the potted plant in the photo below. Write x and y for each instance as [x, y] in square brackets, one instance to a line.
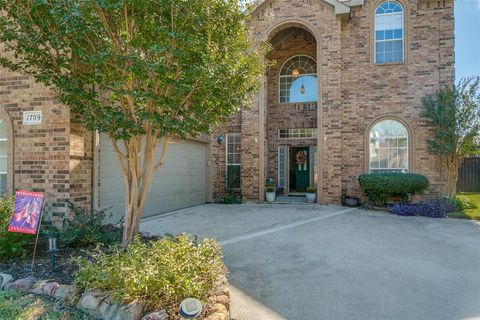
[270, 194]
[311, 194]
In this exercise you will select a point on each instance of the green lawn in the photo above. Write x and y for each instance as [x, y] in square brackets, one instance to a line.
[16, 306]
[472, 213]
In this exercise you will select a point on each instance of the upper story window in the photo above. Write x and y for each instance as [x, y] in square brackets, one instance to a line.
[298, 80]
[388, 147]
[389, 33]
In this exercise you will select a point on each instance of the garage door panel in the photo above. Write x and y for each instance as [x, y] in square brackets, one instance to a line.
[179, 183]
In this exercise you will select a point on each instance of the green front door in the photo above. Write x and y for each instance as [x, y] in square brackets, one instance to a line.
[302, 169]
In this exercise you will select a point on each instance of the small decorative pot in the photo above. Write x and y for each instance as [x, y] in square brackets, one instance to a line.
[311, 197]
[351, 202]
[270, 196]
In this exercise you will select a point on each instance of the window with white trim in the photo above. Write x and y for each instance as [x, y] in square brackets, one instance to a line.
[297, 133]
[388, 151]
[3, 156]
[233, 152]
[389, 32]
[282, 166]
[298, 80]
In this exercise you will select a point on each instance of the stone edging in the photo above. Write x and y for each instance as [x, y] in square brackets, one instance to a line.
[101, 306]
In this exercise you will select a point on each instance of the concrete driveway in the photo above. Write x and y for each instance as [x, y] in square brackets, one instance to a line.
[326, 262]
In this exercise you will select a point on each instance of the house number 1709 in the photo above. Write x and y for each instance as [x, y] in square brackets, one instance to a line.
[32, 117]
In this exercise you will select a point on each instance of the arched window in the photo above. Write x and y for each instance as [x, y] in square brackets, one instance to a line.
[298, 80]
[3, 156]
[388, 147]
[389, 33]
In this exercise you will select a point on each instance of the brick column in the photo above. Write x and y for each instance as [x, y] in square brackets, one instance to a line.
[253, 149]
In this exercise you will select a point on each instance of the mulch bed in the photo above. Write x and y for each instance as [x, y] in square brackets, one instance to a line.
[65, 268]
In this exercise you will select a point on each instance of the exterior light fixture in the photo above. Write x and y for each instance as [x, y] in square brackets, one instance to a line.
[302, 89]
[190, 308]
[220, 139]
[52, 249]
[295, 73]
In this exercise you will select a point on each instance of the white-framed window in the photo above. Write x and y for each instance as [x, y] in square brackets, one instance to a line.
[389, 32]
[297, 133]
[298, 80]
[388, 151]
[282, 166]
[233, 161]
[3, 156]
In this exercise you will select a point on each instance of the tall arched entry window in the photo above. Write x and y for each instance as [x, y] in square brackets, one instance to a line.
[389, 32]
[388, 151]
[298, 80]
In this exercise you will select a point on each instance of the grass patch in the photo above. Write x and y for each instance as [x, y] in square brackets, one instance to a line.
[17, 306]
[471, 213]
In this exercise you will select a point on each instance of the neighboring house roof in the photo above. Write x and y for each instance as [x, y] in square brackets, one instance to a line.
[341, 6]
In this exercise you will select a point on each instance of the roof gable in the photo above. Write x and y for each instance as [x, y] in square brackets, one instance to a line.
[340, 6]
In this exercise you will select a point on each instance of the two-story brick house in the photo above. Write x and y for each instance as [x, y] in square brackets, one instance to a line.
[342, 97]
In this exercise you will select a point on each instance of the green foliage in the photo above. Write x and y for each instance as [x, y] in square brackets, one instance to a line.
[311, 190]
[378, 187]
[11, 244]
[159, 273]
[454, 112]
[232, 199]
[86, 228]
[270, 187]
[463, 202]
[131, 67]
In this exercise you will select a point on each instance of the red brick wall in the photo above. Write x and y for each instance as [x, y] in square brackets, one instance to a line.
[44, 155]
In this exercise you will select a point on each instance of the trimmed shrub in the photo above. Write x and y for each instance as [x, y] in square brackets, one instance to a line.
[232, 199]
[86, 228]
[311, 190]
[431, 209]
[11, 244]
[378, 187]
[159, 274]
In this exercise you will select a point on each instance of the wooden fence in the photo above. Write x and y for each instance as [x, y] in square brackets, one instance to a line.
[469, 175]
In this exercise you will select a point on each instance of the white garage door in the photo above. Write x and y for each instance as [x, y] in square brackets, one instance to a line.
[179, 183]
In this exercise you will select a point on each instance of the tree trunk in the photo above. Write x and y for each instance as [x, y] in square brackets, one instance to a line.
[139, 163]
[451, 168]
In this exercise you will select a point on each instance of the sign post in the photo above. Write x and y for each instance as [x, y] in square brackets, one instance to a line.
[27, 214]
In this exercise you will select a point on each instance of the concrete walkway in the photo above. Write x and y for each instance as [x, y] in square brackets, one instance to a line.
[327, 262]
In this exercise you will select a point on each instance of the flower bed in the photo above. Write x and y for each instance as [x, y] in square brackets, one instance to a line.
[150, 276]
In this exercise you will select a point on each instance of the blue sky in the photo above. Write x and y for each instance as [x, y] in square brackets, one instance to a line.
[467, 38]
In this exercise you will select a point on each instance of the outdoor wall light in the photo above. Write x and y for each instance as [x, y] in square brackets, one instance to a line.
[295, 73]
[190, 308]
[56, 111]
[52, 249]
[220, 139]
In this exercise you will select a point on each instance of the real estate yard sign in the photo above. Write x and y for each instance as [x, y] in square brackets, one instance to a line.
[27, 212]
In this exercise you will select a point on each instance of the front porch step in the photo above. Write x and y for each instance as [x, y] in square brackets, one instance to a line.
[290, 200]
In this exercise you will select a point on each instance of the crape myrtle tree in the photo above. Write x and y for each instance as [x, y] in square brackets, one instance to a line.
[454, 112]
[140, 71]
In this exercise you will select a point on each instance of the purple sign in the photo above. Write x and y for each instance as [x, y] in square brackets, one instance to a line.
[27, 212]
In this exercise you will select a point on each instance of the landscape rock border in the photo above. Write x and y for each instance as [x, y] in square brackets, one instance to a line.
[101, 306]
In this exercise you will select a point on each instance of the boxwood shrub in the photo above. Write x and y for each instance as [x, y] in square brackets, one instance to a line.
[379, 186]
